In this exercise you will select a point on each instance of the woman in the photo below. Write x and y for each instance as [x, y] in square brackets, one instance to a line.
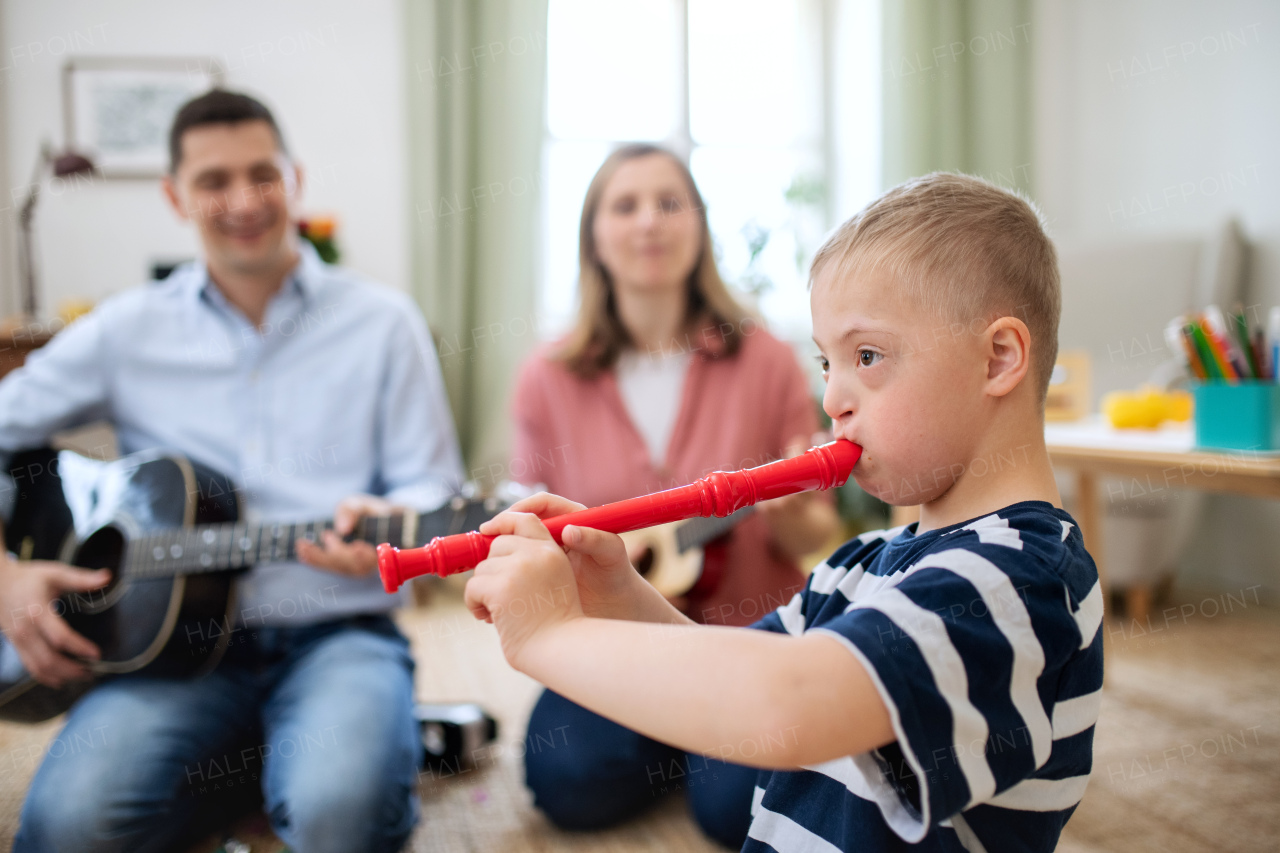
[663, 379]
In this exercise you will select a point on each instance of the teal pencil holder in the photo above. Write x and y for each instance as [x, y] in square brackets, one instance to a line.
[1241, 415]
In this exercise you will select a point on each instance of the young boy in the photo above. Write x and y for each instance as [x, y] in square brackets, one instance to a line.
[935, 685]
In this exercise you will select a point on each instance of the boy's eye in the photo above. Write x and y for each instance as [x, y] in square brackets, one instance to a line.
[823, 364]
[867, 357]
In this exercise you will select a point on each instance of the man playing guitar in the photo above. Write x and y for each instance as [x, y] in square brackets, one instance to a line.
[310, 388]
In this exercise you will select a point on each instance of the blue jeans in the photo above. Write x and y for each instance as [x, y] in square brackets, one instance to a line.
[587, 772]
[319, 718]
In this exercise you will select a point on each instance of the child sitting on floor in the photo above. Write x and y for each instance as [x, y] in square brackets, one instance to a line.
[935, 685]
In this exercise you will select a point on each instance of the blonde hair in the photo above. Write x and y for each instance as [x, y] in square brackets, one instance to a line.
[963, 249]
[598, 336]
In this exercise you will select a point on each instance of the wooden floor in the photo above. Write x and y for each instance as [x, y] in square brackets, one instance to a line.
[1187, 755]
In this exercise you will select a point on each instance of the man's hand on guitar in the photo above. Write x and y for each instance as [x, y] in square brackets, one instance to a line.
[354, 559]
[29, 618]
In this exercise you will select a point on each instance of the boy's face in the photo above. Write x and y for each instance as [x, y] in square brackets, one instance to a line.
[901, 383]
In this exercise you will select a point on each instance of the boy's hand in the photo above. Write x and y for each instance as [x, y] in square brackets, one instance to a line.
[526, 585]
[606, 580]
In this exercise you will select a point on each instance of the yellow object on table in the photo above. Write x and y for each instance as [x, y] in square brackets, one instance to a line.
[1146, 408]
[70, 310]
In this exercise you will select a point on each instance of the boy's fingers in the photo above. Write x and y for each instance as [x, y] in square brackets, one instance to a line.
[517, 524]
[503, 546]
[490, 565]
[546, 505]
[593, 543]
[474, 597]
[502, 523]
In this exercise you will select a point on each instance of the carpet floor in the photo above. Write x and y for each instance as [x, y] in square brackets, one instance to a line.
[1187, 756]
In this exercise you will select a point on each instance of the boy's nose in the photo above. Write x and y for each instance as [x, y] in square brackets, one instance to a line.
[837, 404]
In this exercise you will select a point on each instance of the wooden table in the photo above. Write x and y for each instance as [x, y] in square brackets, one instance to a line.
[17, 343]
[1156, 459]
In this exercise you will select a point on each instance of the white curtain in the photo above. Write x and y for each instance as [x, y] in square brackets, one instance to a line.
[476, 81]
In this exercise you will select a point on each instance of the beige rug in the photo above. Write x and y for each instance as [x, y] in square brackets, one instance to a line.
[1187, 756]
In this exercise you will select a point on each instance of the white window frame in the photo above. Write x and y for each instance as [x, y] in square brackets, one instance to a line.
[847, 33]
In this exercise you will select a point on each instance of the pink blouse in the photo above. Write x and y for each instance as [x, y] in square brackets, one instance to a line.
[576, 436]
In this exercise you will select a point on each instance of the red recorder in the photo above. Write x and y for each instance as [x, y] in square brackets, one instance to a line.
[718, 494]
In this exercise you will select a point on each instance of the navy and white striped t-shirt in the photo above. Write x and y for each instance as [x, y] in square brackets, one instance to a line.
[984, 640]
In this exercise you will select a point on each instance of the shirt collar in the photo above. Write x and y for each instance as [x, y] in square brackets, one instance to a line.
[305, 278]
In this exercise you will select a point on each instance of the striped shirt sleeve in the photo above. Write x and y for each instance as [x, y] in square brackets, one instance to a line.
[960, 648]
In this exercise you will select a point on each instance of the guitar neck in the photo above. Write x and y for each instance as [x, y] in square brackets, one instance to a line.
[239, 545]
[220, 547]
[697, 532]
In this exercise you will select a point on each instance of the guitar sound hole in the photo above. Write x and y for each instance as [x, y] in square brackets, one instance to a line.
[104, 549]
[645, 564]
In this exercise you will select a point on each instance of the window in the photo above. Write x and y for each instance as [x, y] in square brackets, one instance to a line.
[742, 88]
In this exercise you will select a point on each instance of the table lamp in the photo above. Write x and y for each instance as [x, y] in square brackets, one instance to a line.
[64, 165]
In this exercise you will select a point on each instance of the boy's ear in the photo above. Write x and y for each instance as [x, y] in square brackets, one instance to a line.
[1008, 354]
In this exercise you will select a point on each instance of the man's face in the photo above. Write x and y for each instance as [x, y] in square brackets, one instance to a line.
[236, 186]
[902, 384]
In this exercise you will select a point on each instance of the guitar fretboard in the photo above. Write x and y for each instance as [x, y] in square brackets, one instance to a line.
[219, 547]
[697, 532]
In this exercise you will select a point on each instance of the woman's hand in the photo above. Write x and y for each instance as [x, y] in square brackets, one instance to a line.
[607, 582]
[526, 586]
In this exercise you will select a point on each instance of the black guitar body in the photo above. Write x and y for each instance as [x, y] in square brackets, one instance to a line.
[171, 533]
[173, 626]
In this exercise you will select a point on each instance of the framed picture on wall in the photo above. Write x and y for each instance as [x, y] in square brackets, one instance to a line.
[117, 110]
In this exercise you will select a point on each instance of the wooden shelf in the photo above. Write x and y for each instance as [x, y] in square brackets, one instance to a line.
[17, 344]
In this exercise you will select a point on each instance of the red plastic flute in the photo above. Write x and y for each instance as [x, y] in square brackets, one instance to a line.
[719, 494]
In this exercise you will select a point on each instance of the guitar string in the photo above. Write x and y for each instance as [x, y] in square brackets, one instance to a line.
[194, 545]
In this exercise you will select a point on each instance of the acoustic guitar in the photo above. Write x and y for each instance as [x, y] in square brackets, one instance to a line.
[169, 530]
[683, 557]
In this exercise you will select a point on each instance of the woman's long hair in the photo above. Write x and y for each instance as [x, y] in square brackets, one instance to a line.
[598, 337]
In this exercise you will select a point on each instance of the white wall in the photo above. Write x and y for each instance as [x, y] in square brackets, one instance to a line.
[7, 266]
[332, 72]
[1160, 116]
[1156, 119]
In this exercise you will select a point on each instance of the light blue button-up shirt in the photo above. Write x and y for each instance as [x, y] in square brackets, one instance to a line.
[338, 392]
